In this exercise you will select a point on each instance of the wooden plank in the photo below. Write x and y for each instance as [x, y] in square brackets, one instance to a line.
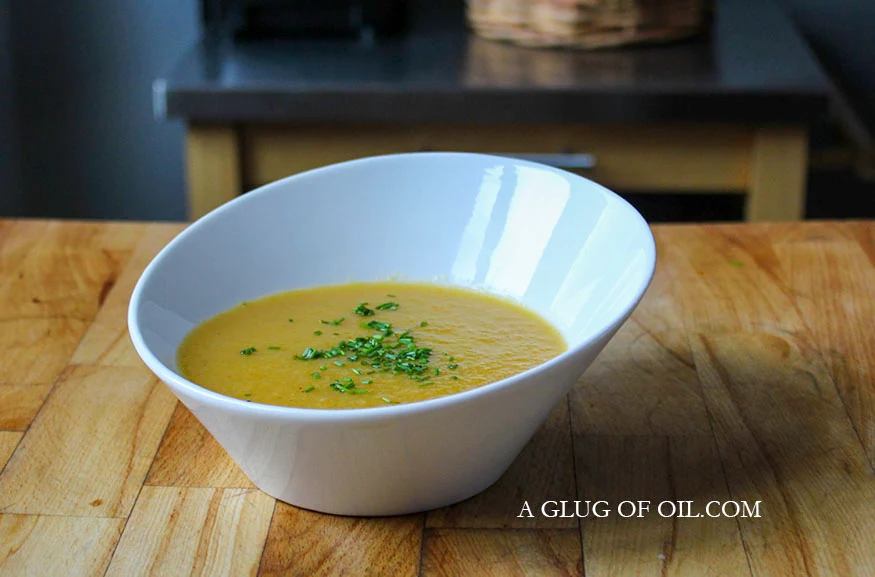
[88, 450]
[55, 339]
[701, 545]
[644, 382]
[642, 432]
[26, 378]
[36, 545]
[531, 477]
[17, 238]
[779, 233]
[65, 273]
[305, 543]
[728, 278]
[655, 469]
[783, 434]
[119, 236]
[657, 315]
[190, 457]
[8, 442]
[175, 531]
[778, 177]
[107, 341]
[833, 301]
[659, 158]
[502, 553]
[213, 167]
[53, 277]
[786, 440]
[864, 233]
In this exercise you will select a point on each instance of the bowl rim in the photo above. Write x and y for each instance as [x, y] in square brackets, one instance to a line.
[230, 404]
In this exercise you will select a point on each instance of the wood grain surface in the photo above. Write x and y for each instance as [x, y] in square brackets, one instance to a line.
[747, 374]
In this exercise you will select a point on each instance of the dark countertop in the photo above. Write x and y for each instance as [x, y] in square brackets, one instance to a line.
[754, 68]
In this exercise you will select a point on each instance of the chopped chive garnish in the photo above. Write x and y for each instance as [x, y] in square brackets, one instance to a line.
[317, 333]
[323, 367]
[453, 366]
[335, 322]
[308, 389]
[385, 400]
[364, 311]
[385, 351]
[309, 353]
[347, 386]
[381, 326]
[367, 381]
[391, 296]
[247, 394]
[451, 359]
[423, 324]
[336, 334]
[425, 384]
[390, 306]
[291, 320]
[273, 348]
[317, 376]
[454, 377]
[247, 351]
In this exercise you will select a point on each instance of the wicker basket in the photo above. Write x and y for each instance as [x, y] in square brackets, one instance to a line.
[587, 23]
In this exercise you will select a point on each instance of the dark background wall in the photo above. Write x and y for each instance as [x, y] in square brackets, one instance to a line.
[11, 201]
[81, 75]
[842, 33]
[77, 137]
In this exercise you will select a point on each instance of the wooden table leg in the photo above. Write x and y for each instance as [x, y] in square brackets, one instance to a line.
[778, 176]
[213, 156]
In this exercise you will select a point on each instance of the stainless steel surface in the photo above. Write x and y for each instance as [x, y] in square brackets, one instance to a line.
[751, 69]
[577, 161]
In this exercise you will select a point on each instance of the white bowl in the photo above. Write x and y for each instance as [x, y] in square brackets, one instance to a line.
[562, 245]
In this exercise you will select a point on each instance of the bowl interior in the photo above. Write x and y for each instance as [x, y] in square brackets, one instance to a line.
[560, 244]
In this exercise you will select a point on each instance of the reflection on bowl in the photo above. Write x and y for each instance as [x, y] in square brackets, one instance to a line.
[562, 245]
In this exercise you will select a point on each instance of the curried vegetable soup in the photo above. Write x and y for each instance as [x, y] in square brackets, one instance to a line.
[365, 345]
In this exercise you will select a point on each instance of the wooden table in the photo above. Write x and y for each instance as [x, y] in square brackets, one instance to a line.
[746, 374]
[725, 113]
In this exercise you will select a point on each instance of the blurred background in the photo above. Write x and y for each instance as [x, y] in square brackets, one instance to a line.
[81, 134]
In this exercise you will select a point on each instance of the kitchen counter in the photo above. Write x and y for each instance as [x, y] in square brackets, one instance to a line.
[744, 378]
[753, 68]
[727, 112]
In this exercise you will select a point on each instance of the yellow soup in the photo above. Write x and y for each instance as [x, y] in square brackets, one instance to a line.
[365, 345]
